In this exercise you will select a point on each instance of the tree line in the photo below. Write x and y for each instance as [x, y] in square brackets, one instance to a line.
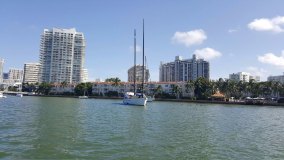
[202, 88]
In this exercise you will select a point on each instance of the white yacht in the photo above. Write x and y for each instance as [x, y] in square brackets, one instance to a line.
[19, 95]
[134, 99]
[2, 96]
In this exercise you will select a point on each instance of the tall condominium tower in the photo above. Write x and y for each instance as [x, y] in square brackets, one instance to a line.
[62, 55]
[184, 70]
[1, 69]
[31, 72]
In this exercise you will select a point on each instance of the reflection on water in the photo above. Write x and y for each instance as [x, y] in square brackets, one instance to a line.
[68, 128]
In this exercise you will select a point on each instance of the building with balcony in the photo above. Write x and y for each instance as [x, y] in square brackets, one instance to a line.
[139, 74]
[62, 55]
[31, 72]
[182, 70]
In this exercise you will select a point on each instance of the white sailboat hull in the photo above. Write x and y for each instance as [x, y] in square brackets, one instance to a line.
[2, 96]
[135, 101]
[131, 99]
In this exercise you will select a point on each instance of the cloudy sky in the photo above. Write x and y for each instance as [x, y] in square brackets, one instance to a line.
[233, 36]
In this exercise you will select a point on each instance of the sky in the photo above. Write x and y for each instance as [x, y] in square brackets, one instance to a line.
[233, 36]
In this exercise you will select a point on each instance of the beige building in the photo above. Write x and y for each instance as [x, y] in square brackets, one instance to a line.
[16, 75]
[139, 74]
[31, 72]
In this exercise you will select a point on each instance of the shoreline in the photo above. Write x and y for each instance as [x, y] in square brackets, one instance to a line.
[171, 100]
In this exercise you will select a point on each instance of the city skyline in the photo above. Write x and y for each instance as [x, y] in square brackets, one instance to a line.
[238, 36]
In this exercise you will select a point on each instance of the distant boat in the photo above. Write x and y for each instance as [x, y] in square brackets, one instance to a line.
[133, 98]
[2, 96]
[83, 97]
[150, 98]
[19, 95]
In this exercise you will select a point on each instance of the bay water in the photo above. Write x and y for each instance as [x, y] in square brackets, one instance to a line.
[71, 128]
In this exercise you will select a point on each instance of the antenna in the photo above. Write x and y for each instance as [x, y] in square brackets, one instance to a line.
[143, 63]
[134, 72]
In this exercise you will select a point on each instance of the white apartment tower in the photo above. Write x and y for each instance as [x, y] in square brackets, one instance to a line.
[1, 69]
[62, 55]
[31, 72]
[182, 70]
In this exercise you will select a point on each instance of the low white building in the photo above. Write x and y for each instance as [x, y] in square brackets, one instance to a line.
[243, 76]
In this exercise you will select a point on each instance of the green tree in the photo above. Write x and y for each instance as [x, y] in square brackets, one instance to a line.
[202, 88]
[176, 90]
[158, 90]
[83, 88]
[44, 88]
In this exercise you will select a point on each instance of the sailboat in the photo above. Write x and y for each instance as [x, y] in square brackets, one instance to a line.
[133, 98]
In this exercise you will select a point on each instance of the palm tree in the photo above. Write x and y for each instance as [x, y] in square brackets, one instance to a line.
[189, 85]
[176, 90]
[158, 90]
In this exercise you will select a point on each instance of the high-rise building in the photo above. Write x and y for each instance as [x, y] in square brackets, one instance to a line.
[31, 72]
[62, 55]
[84, 75]
[16, 75]
[184, 70]
[1, 69]
[139, 74]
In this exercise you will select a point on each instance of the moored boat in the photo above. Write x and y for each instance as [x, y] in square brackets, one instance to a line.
[150, 98]
[83, 97]
[2, 96]
[134, 99]
[19, 95]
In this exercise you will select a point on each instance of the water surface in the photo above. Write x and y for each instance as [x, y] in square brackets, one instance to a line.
[70, 128]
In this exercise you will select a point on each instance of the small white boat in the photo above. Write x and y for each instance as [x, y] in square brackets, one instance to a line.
[2, 96]
[150, 98]
[19, 95]
[131, 99]
[83, 97]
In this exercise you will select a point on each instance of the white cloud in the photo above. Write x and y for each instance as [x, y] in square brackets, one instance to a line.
[189, 38]
[271, 58]
[232, 30]
[256, 71]
[264, 24]
[138, 49]
[207, 53]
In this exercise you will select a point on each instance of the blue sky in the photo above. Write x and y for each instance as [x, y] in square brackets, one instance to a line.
[232, 35]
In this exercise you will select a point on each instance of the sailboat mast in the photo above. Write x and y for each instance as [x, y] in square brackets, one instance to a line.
[143, 63]
[134, 72]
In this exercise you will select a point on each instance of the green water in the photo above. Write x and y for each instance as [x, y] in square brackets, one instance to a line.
[69, 128]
